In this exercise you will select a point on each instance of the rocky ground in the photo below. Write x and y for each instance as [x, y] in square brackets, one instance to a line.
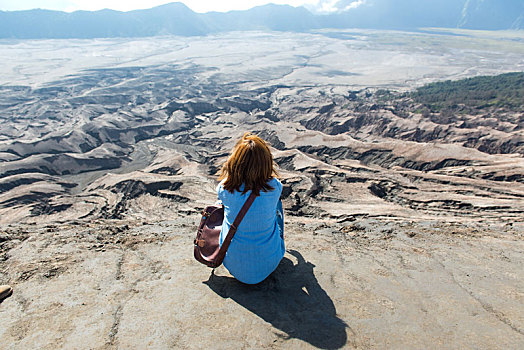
[404, 228]
[367, 283]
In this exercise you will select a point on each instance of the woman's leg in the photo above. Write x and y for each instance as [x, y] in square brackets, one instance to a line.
[280, 218]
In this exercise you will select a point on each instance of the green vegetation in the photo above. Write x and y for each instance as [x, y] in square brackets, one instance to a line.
[503, 91]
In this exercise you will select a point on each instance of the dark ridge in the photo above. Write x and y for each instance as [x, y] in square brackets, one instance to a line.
[270, 115]
[175, 197]
[286, 163]
[166, 171]
[326, 108]
[53, 145]
[383, 158]
[505, 178]
[248, 105]
[380, 190]
[197, 108]
[213, 170]
[35, 196]
[316, 188]
[271, 138]
[64, 164]
[45, 208]
[324, 123]
[131, 189]
[392, 192]
[297, 205]
[286, 191]
[41, 169]
[9, 185]
[339, 176]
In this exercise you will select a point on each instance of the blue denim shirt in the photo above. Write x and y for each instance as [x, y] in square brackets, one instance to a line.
[257, 246]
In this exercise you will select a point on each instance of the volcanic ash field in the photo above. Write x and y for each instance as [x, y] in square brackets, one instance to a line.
[404, 225]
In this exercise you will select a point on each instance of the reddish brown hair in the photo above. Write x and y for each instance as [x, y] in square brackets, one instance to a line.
[251, 164]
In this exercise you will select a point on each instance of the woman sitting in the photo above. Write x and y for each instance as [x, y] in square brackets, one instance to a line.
[258, 245]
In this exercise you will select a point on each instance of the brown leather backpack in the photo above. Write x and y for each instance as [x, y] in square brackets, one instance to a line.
[207, 248]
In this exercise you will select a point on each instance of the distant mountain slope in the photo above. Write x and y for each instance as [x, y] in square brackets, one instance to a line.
[174, 18]
[492, 14]
[401, 14]
[406, 14]
[178, 19]
[267, 17]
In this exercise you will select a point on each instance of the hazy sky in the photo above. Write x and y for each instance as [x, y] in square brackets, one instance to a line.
[195, 5]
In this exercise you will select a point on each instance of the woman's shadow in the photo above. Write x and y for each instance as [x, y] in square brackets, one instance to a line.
[291, 300]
